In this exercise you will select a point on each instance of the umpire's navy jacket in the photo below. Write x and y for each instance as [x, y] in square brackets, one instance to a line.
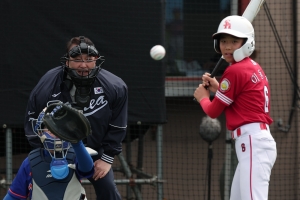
[107, 111]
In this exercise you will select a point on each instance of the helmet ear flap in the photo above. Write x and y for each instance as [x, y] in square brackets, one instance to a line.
[217, 45]
[245, 51]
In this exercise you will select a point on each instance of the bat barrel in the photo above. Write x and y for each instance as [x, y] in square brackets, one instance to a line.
[252, 9]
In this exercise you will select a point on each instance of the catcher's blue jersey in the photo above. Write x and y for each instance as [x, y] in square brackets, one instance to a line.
[21, 187]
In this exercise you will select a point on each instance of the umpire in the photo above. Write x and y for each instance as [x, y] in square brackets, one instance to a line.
[101, 95]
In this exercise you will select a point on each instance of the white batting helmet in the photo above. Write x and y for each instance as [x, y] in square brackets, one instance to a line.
[240, 27]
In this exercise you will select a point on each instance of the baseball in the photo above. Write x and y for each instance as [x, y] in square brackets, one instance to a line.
[157, 52]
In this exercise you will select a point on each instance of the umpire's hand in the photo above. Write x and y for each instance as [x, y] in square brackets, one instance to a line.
[101, 168]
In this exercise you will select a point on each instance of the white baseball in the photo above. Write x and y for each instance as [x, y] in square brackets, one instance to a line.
[157, 52]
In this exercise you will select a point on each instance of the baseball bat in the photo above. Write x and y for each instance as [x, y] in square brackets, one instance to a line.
[250, 13]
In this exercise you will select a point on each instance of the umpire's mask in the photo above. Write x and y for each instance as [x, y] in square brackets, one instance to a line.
[82, 82]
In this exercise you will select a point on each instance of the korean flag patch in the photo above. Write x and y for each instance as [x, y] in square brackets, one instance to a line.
[98, 90]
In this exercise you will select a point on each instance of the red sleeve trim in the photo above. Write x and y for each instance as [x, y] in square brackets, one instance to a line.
[17, 195]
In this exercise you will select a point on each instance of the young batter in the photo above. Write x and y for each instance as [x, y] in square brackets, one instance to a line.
[244, 95]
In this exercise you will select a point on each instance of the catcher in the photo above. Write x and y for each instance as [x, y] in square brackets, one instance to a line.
[54, 172]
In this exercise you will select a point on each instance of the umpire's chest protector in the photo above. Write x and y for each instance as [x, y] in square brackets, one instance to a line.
[45, 187]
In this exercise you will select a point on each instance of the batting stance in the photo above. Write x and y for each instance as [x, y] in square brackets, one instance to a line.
[244, 95]
[55, 171]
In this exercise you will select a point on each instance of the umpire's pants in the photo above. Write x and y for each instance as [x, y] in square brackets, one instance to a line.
[105, 187]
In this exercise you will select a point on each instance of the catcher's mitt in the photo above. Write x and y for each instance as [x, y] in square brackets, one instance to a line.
[66, 123]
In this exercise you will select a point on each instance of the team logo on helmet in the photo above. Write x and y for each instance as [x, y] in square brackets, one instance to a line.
[225, 85]
[227, 24]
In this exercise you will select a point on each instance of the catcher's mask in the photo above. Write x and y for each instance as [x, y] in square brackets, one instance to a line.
[56, 147]
[82, 83]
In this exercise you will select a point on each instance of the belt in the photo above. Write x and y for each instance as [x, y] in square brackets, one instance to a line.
[252, 127]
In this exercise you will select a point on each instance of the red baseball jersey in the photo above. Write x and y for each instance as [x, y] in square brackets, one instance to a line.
[245, 90]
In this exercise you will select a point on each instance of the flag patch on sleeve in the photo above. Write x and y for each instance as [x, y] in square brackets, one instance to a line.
[98, 90]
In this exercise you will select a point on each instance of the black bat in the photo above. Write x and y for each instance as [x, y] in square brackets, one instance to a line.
[215, 70]
[217, 67]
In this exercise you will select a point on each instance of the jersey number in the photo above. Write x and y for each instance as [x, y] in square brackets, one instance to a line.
[266, 92]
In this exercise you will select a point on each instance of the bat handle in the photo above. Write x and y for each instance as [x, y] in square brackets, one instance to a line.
[211, 76]
[215, 70]
[206, 87]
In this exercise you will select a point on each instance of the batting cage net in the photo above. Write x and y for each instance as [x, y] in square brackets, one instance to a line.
[172, 151]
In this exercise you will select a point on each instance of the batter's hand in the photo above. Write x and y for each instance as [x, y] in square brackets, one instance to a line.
[201, 92]
[211, 83]
[101, 168]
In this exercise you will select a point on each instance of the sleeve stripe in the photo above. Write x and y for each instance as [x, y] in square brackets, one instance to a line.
[118, 126]
[18, 195]
[223, 98]
[107, 158]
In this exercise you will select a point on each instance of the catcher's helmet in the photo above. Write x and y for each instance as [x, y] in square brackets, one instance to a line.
[240, 27]
[50, 142]
[56, 147]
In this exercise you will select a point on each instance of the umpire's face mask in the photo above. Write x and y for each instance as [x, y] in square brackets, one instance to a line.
[81, 66]
[84, 65]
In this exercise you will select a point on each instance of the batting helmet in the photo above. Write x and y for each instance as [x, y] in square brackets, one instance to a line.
[240, 27]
